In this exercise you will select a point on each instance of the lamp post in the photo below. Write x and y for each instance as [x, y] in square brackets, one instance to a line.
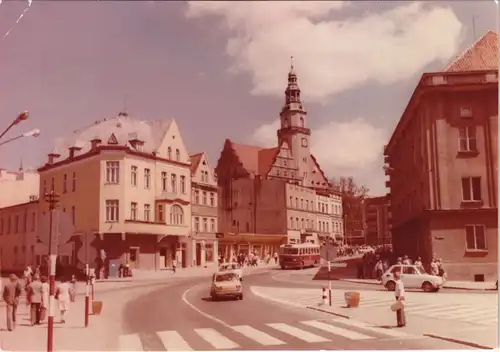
[32, 133]
[22, 116]
[52, 198]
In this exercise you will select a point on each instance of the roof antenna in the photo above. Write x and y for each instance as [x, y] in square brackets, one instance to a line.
[124, 110]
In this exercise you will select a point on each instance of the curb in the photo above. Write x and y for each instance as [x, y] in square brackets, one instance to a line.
[465, 343]
[328, 312]
[449, 287]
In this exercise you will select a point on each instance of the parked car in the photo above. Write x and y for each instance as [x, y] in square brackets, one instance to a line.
[413, 276]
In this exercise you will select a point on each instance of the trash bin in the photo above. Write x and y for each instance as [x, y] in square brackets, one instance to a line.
[352, 299]
[96, 307]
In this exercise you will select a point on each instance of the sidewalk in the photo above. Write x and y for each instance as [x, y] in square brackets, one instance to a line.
[460, 285]
[151, 275]
[100, 335]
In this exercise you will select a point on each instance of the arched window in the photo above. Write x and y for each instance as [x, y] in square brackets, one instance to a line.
[301, 121]
[285, 123]
[176, 215]
[169, 153]
[177, 155]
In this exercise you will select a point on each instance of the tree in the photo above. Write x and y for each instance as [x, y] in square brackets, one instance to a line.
[353, 196]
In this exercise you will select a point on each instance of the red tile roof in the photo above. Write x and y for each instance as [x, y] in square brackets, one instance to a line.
[266, 159]
[195, 161]
[480, 56]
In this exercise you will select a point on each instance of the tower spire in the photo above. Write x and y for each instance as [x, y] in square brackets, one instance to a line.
[292, 92]
[21, 168]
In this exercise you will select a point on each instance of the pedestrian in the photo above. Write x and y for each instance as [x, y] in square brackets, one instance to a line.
[434, 267]
[11, 292]
[399, 292]
[406, 260]
[174, 265]
[418, 262]
[35, 294]
[64, 294]
[45, 298]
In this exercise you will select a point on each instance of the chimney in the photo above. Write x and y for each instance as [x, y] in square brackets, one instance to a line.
[53, 156]
[73, 150]
[94, 143]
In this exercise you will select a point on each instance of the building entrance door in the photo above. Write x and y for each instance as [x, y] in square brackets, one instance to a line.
[133, 257]
[198, 254]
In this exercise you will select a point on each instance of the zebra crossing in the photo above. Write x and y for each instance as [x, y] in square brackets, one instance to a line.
[474, 312]
[265, 335]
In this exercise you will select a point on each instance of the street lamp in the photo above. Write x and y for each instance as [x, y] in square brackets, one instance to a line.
[32, 133]
[22, 116]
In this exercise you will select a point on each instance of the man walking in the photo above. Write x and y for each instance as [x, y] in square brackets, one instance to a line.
[45, 298]
[64, 296]
[35, 294]
[11, 293]
[400, 296]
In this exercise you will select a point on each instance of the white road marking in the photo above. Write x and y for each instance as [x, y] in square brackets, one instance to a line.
[258, 336]
[368, 327]
[216, 339]
[206, 315]
[130, 342]
[349, 334]
[173, 341]
[298, 333]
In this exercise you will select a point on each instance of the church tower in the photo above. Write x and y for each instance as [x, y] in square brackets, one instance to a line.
[293, 127]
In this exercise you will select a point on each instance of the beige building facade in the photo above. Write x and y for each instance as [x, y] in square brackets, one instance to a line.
[18, 187]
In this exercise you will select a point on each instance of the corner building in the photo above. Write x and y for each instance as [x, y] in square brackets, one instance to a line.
[273, 196]
[442, 160]
[127, 185]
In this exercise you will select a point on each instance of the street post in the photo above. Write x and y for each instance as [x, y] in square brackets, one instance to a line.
[52, 199]
[87, 283]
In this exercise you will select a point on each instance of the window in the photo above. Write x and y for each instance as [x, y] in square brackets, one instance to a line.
[183, 184]
[205, 225]
[291, 202]
[301, 203]
[1, 226]
[112, 171]
[196, 197]
[471, 189]
[9, 225]
[73, 215]
[133, 211]
[291, 223]
[177, 155]
[467, 139]
[65, 183]
[33, 221]
[169, 153]
[164, 181]
[25, 221]
[409, 270]
[297, 223]
[53, 184]
[301, 121]
[133, 175]
[197, 224]
[475, 238]
[112, 210]
[73, 186]
[204, 199]
[147, 212]
[176, 215]
[16, 224]
[297, 203]
[212, 199]
[173, 181]
[209, 252]
[212, 225]
[147, 178]
[44, 187]
[161, 213]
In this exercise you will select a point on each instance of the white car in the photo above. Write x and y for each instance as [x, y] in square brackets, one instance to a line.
[226, 284]
[413, 276]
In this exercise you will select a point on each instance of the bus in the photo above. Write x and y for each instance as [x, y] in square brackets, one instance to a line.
[299, 256]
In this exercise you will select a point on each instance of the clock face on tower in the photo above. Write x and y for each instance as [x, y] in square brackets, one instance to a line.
[304, 142]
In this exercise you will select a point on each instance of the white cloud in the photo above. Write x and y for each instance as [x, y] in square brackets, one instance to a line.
[352, 148]
[331, 55]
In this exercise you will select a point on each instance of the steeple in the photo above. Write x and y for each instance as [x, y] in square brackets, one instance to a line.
[292, 92]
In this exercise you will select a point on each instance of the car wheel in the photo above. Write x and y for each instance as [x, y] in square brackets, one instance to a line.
[390, 286]
[427, 287]
[240, 297]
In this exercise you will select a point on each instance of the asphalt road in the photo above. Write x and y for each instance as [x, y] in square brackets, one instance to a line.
[183, 317]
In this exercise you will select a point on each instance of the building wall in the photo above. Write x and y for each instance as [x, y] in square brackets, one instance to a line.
[337, 228]
[377, 221]
[18, 187]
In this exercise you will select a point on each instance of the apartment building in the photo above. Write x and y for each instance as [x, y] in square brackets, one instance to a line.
[377, 221]
[442, 160]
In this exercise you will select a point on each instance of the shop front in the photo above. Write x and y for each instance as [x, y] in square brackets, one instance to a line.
[233, 244]
[204, 250]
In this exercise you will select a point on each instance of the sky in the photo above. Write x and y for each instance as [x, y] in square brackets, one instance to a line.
[220, 69]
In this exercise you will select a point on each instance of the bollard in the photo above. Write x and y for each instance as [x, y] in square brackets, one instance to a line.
[87, 298]
[323, 296]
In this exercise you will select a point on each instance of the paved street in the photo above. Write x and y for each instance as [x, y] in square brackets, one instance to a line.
[185, 318]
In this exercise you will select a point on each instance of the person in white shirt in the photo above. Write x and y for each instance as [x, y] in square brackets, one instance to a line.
[400, 296]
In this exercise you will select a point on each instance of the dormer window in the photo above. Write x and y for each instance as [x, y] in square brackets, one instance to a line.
[73, 150]
[137, 144]
[169, 153]
[94, 143]
[52, 157]
[177, 155]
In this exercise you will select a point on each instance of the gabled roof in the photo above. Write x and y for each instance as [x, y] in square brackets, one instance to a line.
[248, 156]
[195, 162]
[266, 159]
[480, 56]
